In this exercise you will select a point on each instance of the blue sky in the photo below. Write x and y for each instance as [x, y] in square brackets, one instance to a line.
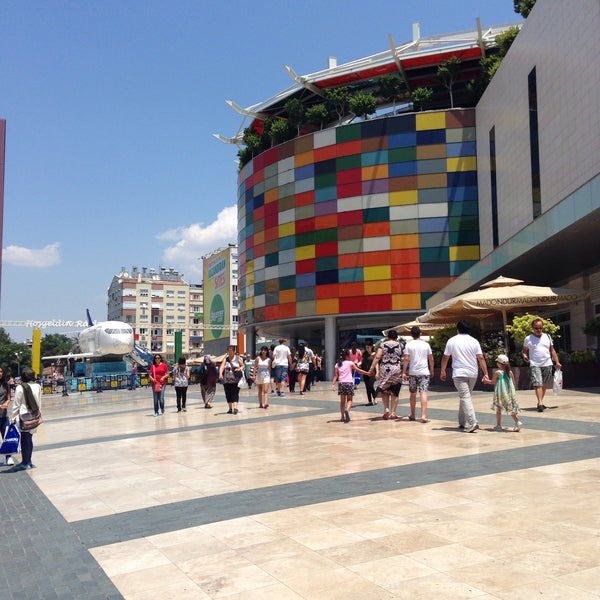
[111, 106]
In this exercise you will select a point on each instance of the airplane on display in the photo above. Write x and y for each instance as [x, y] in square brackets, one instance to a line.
[101, 339]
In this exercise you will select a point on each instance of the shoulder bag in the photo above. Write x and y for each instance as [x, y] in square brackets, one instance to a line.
[33, 418]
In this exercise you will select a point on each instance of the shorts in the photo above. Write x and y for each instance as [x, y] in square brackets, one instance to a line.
[345, 388]
[541, 376]
[280, 373]
[393, 389]
[262, 377]
[418, 383]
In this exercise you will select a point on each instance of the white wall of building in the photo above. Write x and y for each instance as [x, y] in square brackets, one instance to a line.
[559, 39]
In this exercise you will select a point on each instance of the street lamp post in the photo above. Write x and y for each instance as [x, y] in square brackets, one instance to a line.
[18, 355]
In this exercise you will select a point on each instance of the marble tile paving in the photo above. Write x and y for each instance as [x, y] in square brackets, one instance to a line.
[290, 503]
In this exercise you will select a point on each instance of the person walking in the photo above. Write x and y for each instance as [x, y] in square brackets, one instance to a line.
[208, 381]
[159, 373]
[273, 385]
[389, 359]
[539, 352]
[262, 370]
[418, 364]
[505, 396]
[133, 376]
[302, 360]
[26, 399]
[181, 380]
[282, 360]
[311, 367]
[292, 375]
[344, 375]
[355, 354]
[230, 372]
[317, 374]
[4, 403]
[466, 355]
[367, 357]
[249, 371]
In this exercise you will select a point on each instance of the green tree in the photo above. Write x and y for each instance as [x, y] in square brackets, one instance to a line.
[489, 65]
[56, 343]
[4, 337]
[391, 88]
[505, 39]
[520, 327]
[244, 156]
[523, 7]
[317, 114]
[14, 356]
[255, 144]
[363, 105]
[438, 342]
[421, 98]
[592, 327]
[295, 112]
[339, 98]
[280, 131]
[252, 141]
[448, 72]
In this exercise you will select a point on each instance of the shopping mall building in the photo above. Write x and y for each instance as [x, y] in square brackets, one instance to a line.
[364, 224]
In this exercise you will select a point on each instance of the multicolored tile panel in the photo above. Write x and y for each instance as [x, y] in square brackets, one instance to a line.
[369, 217]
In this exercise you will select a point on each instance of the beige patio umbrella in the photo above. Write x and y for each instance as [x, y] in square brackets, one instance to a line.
[426, 328]
[501, 295]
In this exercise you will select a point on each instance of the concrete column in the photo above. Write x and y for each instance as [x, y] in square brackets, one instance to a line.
[330, 347]
[251, 341]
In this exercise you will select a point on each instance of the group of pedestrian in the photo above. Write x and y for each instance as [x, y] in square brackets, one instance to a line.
[466, 354]
[392, 364]
[383, 373]
[395, 363]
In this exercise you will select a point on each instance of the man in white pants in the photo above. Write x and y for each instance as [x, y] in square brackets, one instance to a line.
[466, 353]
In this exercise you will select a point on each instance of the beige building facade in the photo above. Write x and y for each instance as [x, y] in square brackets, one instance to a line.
[157, 303]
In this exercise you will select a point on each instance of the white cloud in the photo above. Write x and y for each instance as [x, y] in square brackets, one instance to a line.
[197, 239]
[35, 258]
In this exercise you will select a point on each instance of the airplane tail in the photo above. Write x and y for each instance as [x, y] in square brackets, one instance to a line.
[89, 317]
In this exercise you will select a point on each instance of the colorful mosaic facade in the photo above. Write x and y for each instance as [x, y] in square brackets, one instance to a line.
[370, 217]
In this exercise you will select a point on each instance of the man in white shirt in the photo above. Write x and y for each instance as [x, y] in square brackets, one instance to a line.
[466, 353]
[539, 352]
[418, 361]
[282, 361]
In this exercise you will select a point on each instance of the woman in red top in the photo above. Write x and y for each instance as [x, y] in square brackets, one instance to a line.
[159, 373]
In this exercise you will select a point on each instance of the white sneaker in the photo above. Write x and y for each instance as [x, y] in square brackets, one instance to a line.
[518, 426]
[10, 461]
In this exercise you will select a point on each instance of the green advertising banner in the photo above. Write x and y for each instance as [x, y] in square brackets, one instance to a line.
[217, 291]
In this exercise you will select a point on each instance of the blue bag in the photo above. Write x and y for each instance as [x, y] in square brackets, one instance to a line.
[356, 378]
[12, 437]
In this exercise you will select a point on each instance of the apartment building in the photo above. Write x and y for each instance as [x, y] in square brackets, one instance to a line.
[157, 303]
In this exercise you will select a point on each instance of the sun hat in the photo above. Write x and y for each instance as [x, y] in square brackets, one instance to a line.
[502, 359]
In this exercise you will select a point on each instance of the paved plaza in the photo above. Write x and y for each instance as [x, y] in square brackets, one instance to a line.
[289, 503]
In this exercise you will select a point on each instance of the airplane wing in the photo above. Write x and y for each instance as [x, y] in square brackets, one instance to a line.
[80, 355]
